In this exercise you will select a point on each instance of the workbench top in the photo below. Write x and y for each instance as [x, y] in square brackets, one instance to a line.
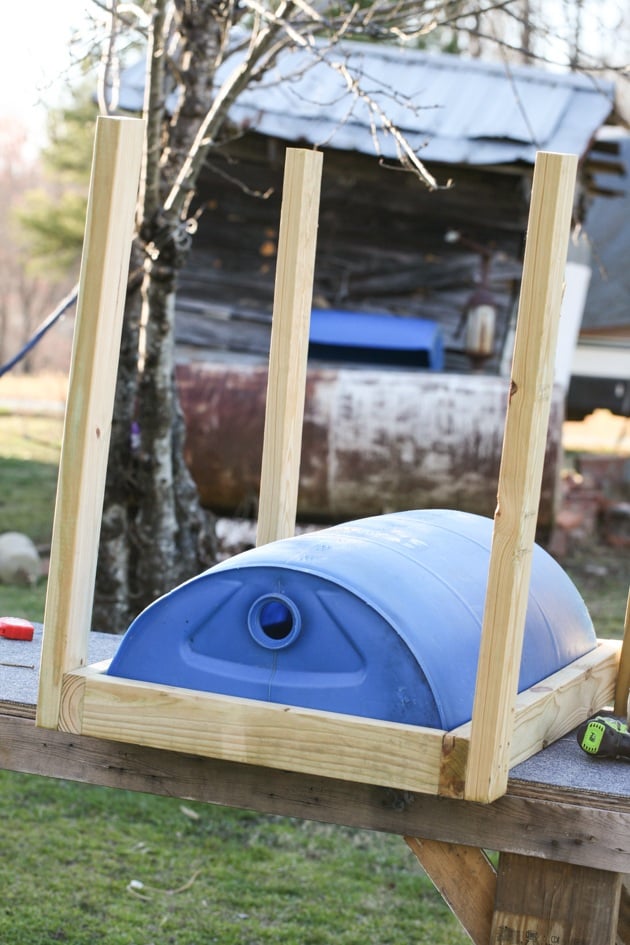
[19, 668]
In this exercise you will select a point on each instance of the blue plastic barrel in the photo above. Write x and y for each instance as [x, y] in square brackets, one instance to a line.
[379, 617]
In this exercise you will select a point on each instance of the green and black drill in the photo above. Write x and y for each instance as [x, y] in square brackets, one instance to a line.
[604, 736]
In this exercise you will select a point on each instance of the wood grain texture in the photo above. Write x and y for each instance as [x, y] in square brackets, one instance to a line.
[83, 463]
[520, 475]
[288, 352]
[550, 902]
[454, 759]
[466, 880]
[623, 927]
[543, 713]
[556, 705]
[556, 823]
[622, 689]
[260, 733]
[406, 757]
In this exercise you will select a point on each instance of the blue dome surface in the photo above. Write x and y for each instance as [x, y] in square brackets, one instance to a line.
[380, 618]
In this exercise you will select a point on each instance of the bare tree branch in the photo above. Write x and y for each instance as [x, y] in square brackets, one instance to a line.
[108, 87]
[263, 50]
[154, 109]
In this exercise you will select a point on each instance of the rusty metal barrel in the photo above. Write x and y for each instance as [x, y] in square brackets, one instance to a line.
[374, 441]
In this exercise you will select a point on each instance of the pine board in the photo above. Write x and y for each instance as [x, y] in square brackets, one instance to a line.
[247, 731]
[558, 825]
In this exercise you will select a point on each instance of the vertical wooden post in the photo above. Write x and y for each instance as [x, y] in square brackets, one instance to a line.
[623, 927]
[289, 345]
[544, 901]
[622, 689]
[520, 475]
[78, 508]
[466, 880]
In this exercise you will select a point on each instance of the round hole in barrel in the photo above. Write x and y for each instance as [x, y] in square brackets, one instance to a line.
[274, 621]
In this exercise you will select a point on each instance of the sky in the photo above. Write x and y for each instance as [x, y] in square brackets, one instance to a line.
[35, 57]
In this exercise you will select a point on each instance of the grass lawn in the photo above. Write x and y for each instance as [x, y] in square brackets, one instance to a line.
[29, 457]
[84, 864]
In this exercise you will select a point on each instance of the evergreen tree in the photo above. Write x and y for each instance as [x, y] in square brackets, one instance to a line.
[52, 216]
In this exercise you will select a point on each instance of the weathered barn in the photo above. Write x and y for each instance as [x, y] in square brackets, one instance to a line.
[376, 438]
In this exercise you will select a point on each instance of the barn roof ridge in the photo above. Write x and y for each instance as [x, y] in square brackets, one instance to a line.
[499, 115]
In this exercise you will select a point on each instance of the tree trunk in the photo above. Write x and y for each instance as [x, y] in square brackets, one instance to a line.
[169, 522]
[111, 599]
[154, 533]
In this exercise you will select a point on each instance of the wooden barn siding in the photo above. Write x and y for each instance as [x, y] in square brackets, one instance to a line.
[381, 245]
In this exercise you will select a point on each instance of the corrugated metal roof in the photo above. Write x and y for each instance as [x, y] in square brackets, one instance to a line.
[451, 109]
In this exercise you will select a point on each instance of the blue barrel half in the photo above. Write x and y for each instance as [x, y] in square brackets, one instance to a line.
[379, 617]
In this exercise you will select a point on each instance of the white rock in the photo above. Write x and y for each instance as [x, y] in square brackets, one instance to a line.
[19, 559]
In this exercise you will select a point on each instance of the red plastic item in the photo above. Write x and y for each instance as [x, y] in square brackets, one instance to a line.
[14, 628]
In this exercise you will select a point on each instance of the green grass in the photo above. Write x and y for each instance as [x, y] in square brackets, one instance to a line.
[29, 457]
[602, 575]
[85, 864]
[26, 602]
[30, 437]
[27, 499]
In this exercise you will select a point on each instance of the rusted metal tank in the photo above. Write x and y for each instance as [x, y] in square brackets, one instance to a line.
[374, 441]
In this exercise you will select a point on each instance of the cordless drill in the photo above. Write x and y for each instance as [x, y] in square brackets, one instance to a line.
[604, 736]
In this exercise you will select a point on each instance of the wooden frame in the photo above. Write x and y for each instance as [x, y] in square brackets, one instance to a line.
[470, 762]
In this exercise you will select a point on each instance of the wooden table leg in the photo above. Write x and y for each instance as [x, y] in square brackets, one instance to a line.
[466, 880]
[543, 902]
[623, 930]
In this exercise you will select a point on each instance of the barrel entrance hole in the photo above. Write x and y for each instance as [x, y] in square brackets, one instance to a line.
[274, 621]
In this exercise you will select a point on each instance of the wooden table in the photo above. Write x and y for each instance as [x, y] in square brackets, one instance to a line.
[562, 829]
